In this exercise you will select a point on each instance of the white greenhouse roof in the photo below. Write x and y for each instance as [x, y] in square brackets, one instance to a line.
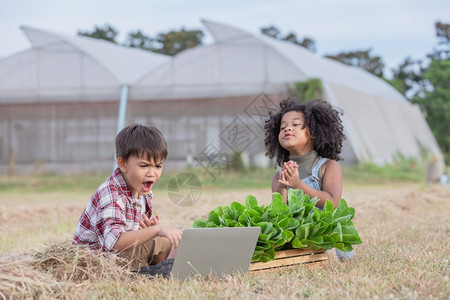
[239, 62]
[63, 67]
[124, 63]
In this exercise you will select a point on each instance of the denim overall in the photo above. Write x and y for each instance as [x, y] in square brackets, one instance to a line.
[313, 181]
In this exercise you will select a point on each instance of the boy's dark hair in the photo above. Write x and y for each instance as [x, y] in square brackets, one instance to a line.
[141, 141]
[323, 121]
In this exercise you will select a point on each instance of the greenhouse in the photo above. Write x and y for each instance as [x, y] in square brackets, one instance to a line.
[60, 101]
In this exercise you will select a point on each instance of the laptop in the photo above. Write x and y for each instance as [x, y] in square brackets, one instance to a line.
[214, 252]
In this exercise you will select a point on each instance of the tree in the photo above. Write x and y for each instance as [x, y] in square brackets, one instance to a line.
[443, 31]
[407, 77]
[137, 39]
[309, 43]
[274, 32]
[435, 101]
[107, 33]
[362, 59]
[174, 42]
[307, 90]
[271, 31]
[443, 49]
[291, 37]
[169, 43]
[434, 95]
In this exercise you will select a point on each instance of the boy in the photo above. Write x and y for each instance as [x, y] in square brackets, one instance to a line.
[118, 218]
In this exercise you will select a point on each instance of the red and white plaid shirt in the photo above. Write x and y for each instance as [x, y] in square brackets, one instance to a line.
[112, 210]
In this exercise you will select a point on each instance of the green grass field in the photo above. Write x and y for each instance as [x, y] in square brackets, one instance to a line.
[403, 222]
[368, 174]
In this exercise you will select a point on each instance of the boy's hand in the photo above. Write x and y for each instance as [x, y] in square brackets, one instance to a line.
[172, 233]
[289, 175]
[146, 222]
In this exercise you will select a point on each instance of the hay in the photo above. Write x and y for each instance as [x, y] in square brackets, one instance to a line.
[72, 263]
[58, 271]
[19, 280]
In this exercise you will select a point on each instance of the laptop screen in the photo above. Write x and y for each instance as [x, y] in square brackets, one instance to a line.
[214, 251]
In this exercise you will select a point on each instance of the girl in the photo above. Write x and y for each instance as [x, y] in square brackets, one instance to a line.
[306, 140]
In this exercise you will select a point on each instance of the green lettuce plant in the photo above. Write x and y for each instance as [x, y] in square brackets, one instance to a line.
[297, 225]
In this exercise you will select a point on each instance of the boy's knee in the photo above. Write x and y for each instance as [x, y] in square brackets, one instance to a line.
[161, 249]
[148, 253]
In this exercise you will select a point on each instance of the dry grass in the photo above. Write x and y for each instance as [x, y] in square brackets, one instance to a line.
[59, 271]
[404, 255]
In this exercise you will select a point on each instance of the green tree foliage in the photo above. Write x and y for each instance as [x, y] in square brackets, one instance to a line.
[435, 101]
[309, 43]
[362, 59]
[429, 86]
[107, 33]
[443, 35]
[434, 96]
[137, 39]
[173, 42]
[443, 31]
[407, 77]
[271, 31]
[308, 90]
[169, 43]
[274, 32]
[237, 163]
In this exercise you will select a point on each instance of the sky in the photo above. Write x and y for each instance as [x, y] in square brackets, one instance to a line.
[393, 29]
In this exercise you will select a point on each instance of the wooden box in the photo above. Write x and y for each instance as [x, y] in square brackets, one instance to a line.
[290, 258]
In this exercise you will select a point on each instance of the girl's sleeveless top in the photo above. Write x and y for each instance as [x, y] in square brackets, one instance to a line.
[309, 166]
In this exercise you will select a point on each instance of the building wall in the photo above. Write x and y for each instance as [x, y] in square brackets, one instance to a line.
[79, 137]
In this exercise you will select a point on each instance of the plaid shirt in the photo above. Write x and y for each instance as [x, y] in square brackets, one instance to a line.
[112, 210]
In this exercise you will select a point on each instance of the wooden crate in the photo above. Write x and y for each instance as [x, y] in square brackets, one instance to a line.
[290, 258]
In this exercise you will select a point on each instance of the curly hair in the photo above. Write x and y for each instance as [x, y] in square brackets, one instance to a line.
[322, 120]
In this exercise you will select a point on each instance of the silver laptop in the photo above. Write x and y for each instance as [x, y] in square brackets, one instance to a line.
[214, 251]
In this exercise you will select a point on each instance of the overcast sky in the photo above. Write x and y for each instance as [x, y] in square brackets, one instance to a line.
[394, 29]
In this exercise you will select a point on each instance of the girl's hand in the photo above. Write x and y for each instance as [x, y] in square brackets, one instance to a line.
[146, 222]
[289, 175]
